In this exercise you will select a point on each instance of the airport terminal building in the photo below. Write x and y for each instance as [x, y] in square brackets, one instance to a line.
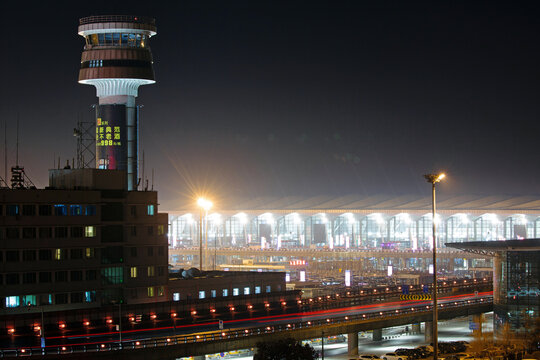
[359, 222]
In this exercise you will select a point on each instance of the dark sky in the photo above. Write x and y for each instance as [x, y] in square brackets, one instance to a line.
[281, 98]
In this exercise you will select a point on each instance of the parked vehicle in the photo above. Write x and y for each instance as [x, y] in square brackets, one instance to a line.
[394, 356]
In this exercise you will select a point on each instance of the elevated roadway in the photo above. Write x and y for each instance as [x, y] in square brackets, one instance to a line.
[205, 338]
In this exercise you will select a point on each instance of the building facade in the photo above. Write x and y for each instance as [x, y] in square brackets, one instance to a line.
[83, 242]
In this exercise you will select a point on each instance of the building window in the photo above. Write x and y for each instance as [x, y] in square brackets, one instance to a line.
[235, 291]
[45, 254]
[133, 210]
[246, 290]
[76, 275]
[90, 210]
[29, 210]
[257, 289]
[61, 298]
[76, 254]
[176, 296]
[60, 276]
[160, 230]
[60, 210]
[45, 299]
[268, 288]
[12, 301]
[150, 291]
[45, 277]
[75, 210]
[45, 232]
[76, 231]
[89, 253]
[44, 210]
[213, 293]
[12, 279]
[76, 298]
[29, 255]
[60, 254]
[112, 275]
[89, 296]
[133, 272]
[29, 232]
[225, 292]
[161, 250]
[161, 270]
[29, 300]
[150, 210]
[61, 232]
[12, 233]
[29, 278]
[12, 210]
[12, 255]
[151, 271]
[89, 231]
[133, 251]
[133, 230]
[161, 291]
[150, 251]
[202, 294]
[91, 275]
[150, 230]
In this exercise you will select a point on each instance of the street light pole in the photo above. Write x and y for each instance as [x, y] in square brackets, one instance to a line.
[434, 179]
[200, 241]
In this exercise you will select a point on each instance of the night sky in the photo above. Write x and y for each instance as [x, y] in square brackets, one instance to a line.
[296, 98]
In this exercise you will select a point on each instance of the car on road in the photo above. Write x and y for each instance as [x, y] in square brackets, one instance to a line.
[367, 357]
[394, 356]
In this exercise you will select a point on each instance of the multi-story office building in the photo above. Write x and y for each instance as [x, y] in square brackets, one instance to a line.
[82, 242]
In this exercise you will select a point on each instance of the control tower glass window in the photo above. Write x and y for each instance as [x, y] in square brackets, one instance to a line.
[117, 39]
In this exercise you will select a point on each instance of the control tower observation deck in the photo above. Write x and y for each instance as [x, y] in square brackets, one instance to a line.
[117, 60]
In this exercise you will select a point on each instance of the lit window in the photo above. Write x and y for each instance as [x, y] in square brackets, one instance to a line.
[150, 210]
[12, 210]
[89, 231]
[213, 293]
[236, 292]
[160, 230]
[60, 210]
[202, 294]
[89, 253]
[161, 291]
[29, 300]
[12, 301]
[225, 292]
[176, 297]
[59, 254]
[89, 296]
[75, 210]
[268, 288]
[151, 271]
[133, 272]
[257, 289]
[246, 290]
[151, 291]
[90, 210]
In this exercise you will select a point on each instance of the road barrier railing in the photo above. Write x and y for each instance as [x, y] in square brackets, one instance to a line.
[223, 335]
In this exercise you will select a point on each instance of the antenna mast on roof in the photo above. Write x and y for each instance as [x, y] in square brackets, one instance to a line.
[19, 180]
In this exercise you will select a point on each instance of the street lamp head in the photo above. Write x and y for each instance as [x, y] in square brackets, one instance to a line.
[204, 203]
[434, 178]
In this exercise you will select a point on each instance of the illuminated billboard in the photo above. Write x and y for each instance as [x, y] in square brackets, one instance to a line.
[111, 137]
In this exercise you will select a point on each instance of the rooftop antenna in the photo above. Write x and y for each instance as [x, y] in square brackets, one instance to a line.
[3, 182]
[152, 179]
[19, 180]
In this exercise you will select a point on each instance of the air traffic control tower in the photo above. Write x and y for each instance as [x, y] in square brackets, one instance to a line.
[117, 60]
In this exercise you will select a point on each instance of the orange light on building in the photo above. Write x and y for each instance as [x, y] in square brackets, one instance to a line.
[86, 323]
[153, 316]
[194, 312]
[62, 325]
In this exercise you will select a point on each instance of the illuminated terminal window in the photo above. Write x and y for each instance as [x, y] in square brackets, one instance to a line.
[225, 292]
[236, 292]
[176, 296]
[117, 39]
[89, 253]
[161, 291]
[150, 210]
[60, 210]
[133, 272]
[59, 254]
[202, 294]
[151, 291]
[90, 210]
[151, 271]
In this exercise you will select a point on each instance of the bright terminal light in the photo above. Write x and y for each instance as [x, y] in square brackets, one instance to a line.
[204, 203]
[242, 217]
